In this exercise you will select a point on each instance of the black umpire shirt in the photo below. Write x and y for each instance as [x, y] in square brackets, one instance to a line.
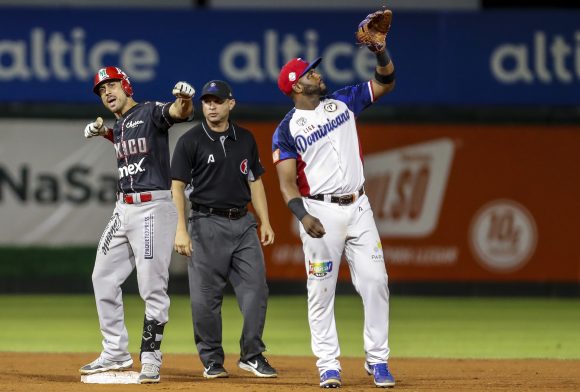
[217, 165]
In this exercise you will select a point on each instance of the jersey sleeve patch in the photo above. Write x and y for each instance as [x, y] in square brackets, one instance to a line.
[357, 98]
[283, 146]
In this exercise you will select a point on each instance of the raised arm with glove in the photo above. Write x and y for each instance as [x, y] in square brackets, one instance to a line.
[372, 33]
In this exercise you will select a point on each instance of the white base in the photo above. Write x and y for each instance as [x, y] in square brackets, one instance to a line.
[111, 378]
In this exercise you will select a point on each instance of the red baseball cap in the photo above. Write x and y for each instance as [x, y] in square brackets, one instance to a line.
[294, 70]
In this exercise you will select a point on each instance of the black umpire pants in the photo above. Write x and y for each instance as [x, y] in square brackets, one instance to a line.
[223, 250]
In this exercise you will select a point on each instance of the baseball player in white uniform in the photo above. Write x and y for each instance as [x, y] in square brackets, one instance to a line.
[318, 158]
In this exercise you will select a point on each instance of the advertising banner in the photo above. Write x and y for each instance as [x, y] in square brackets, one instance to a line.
[458, 202]
[56, 187]
[446, 58]
[451, 202]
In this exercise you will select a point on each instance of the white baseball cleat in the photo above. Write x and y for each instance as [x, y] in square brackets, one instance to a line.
[104, 365]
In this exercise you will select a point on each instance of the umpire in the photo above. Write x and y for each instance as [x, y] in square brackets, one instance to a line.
[219, 161]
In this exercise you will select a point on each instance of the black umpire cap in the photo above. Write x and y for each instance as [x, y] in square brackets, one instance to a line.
[217, 88]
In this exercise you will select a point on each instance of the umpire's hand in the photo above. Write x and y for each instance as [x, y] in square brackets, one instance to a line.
[266, 234]
[182, 243]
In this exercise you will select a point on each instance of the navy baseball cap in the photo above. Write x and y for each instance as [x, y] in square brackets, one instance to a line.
[217, 88]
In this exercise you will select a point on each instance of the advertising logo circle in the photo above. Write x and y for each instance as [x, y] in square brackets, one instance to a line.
[503, 236]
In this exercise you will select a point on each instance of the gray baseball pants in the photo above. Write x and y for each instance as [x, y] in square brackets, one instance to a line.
[223, 250]
[138, 236]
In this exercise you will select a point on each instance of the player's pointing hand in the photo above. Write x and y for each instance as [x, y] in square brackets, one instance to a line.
[96, 128]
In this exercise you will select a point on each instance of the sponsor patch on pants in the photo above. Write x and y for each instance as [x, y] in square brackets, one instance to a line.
[148, 235]
[319, 269]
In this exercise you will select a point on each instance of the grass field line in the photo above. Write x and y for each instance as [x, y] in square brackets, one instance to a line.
[420, 327]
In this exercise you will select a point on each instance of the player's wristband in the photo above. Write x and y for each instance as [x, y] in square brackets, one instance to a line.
[296, 205]
[383, 58]
[385, 79]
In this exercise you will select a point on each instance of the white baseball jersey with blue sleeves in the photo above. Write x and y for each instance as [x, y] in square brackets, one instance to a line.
[325, 144]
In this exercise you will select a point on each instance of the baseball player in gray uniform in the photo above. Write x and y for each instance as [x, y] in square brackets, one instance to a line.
[141, 231]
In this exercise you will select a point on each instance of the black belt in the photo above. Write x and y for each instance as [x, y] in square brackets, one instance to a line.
[343, 200]
[230, 213]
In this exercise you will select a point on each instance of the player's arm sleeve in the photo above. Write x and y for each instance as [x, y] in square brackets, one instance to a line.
[286, 170]
[283, 145]
[357, 97]
[182, 161]
[160, 115]
[256, 168]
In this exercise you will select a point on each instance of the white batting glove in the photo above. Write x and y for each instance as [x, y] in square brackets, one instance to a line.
[183, 90]
[96, 128]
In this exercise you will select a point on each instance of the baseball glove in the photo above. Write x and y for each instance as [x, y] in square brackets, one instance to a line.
[372, 31]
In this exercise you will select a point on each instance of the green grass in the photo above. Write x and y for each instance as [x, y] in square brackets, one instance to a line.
[420, 327]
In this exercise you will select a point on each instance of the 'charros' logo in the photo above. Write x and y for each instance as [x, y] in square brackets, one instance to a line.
[503, 236]
[244, 166]
[319, 269]
[303, 142]
[134, 124]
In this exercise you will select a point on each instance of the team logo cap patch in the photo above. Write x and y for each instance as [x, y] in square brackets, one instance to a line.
[294, 70]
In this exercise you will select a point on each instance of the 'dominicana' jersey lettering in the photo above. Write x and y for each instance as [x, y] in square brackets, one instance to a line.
[325, 143]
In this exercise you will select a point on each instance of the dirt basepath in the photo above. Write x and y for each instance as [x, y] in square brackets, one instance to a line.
[22, 372]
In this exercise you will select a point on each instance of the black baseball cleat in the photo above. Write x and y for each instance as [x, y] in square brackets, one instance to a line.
[215, 370]
[259, 366]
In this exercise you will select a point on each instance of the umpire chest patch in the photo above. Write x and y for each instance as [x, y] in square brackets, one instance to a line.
[244, 166]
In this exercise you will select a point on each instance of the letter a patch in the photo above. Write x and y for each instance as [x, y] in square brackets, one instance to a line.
[210, 159]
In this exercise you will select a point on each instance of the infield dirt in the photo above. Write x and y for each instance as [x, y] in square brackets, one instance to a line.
[26, 372]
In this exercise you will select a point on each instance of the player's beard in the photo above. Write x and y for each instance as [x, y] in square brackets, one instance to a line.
[319, 90]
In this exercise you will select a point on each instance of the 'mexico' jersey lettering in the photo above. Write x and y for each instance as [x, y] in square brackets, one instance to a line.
[131, 147]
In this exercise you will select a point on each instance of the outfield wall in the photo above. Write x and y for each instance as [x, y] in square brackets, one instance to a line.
[442, 58]
[453, 203]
